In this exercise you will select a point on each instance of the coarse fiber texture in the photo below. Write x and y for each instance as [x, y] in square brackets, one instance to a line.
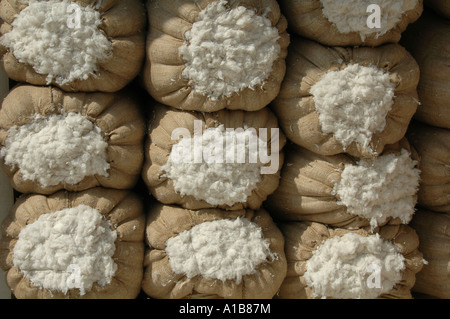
[346, 192]
[244, 52]
[106, 141]
[302, 239]
[441, 7]
[309, 62]
[118, 43]
[124, 212]
[204, 184]
[433, 229]
[166, 222]
[428, 41]
[344, 23]
[433, 147]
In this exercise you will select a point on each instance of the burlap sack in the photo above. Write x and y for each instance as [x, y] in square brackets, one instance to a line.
[441, 7]
[122, 208]
[164, 222]
[159, 145]
[116, 114]
[306, 188]
[307, 19]
[123, 23]
[168, 22]
[434, 234]
[433, 146]
[302, 238]
[308, 61]
[428, 40]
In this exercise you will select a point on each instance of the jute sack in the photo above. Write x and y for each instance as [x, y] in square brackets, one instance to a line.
[163, 138]
[169, 21]
[345, 23]
[303, 238]
[308, 62]
[433, 230]
[161, 282]
[441, 7]
[433, 146]
[122, 23]
[428, 40]
[116, 115]
[309, 190]
[122, 209]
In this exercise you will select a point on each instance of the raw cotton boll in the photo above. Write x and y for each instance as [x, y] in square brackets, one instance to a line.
[51, 140]
[80, 245]
[222, 249]
[226, 159]
[215, 54]
[428, 40]
[341, 267]
[331, 262]
[353, 100]
[433, 229]
[353, 103]
[351, 22]
[211, 253]
[60, 148]
[345, 192]
[227, 51]
[75, 45]
[433, 146]
[77, 237]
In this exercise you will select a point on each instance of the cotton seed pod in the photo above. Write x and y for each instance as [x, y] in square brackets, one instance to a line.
[428, 40]
[305, 240]
[433, 147]
[52, 140]
[433, 230]
[238, 64]
[121, 209]
[342, 191]
[441, 7]
[229, 173]
[97, 46]
[347, 100]
[239, 235]
[348, 23]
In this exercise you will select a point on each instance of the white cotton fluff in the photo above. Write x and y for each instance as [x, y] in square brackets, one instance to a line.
[351, 15]
[380, 188]
[228, 50]
[54, 149]
[222, 249]
[354, 267]
[70, 248]
[353, 103]
[214, 166]
[46, 35]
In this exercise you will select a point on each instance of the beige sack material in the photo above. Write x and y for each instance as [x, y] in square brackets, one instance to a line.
[123, 23]
[307, 19]
[307, 189]
[159, 144]
[433, 146]
[164, 222]
[116, 114]
[122, 209]
[441, 7]
[309, 61]
[303, 238]
[168, 23]
[434, 234]
[428, 40]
